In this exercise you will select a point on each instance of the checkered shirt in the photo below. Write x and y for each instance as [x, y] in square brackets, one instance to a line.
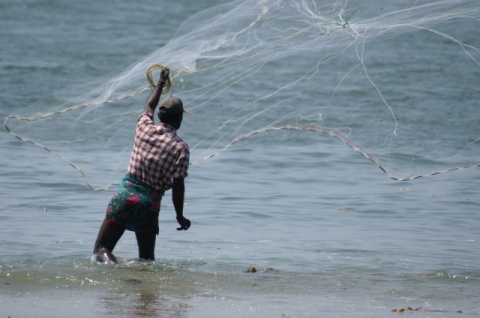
[158, 155]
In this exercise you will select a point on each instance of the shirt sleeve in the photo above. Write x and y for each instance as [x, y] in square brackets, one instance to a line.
[145, 122]
[181, 166]
[146, 118]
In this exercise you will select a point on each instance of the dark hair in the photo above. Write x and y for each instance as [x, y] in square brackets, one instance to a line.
[166, 117]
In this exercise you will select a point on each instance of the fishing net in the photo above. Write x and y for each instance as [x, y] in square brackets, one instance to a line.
[397, 81]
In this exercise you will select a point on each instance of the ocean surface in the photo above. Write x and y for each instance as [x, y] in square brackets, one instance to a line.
[329, 233]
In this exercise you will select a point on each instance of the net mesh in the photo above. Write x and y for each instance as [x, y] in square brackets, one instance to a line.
[395, 80]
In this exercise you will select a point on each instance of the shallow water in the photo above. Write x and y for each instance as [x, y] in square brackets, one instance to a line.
[329, 233]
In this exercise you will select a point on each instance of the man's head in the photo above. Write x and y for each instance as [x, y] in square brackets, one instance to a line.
[171, 112]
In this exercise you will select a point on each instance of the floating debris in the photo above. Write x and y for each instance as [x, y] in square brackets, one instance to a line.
[253, 269]
[420, 309]
[401, 309]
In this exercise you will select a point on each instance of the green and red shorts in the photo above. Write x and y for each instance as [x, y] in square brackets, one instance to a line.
[135, 206]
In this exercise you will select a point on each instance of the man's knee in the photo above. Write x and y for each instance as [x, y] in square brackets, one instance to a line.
[107, 238]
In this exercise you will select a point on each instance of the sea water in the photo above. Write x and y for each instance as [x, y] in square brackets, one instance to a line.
[330, 235]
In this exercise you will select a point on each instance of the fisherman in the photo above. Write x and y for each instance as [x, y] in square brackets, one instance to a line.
[159, 162]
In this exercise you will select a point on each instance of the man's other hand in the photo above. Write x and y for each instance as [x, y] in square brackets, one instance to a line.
[184, 224]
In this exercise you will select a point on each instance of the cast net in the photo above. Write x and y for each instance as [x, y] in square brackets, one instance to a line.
[395, 80]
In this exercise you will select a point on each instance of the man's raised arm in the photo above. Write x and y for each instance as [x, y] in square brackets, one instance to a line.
[155, 96]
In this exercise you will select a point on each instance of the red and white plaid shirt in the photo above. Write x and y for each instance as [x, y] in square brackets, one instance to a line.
[158, 155]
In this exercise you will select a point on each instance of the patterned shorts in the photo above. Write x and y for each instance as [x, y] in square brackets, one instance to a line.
[135, 206]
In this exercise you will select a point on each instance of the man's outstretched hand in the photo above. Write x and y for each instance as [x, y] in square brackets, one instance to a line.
[164, 75]
[154, 98]
[184, 224]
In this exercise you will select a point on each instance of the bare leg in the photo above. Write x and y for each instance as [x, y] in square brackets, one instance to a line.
[107, 238]
[146, 245]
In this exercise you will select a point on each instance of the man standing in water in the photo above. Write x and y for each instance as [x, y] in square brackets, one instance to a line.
[159, 162]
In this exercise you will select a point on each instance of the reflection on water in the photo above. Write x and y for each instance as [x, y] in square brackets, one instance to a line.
[131, 289]
[141, 302]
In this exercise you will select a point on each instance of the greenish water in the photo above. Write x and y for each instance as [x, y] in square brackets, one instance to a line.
[330, 234]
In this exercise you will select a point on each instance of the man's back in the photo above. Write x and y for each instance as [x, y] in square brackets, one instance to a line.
[158, 154]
